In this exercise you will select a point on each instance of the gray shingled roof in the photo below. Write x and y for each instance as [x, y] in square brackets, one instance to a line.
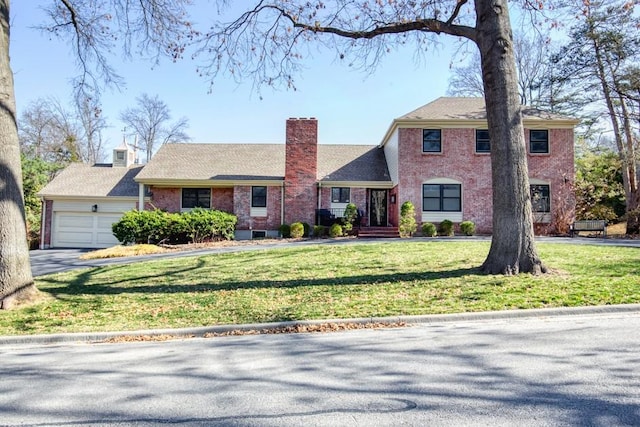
[230, 162]
[215, 162]
[101, 180]
[457, 108]
[352, 163]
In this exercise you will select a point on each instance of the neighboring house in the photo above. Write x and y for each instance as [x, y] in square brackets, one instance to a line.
[436, 157]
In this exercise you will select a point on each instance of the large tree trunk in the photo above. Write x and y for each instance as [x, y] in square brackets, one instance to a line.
[15, 270]
[512, 246]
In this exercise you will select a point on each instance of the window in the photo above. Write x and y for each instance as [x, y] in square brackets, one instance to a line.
[258, 234]
[482, 141]
[441, 197]
[258, 197]
[196, 198]
[119, 155]
[540, 198]
[340, 195]
[538, 141]
[431, 141]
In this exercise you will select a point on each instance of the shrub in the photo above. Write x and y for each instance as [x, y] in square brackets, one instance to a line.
[154, 226]
[297, 230]
[320, 231]
[205, 224]
[140, 226]
[468, 228]
[446, 228]
[335, 230]
[429, 230]
[350, 216]
[285, 231]
[408, 224]
[307, 229]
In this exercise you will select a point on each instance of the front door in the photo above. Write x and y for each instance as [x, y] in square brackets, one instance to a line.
[378, 208]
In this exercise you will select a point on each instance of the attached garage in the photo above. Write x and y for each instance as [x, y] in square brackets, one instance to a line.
[75, 225]
[83, 201]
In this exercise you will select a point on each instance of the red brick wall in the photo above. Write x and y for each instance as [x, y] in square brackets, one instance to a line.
[45, 237]
[557, 169]
[301, 170]
[460, 162]
[242, 209]
[168, 199]
[394, 208]
[222, 199]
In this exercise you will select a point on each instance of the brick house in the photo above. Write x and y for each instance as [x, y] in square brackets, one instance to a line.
[436, 157]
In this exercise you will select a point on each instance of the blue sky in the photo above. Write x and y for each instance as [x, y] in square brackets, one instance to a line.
[351, 106]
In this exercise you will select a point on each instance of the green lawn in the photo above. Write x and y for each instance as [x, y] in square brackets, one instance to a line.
[320, 282]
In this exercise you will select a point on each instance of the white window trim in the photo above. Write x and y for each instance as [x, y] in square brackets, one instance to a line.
[430, 216]
[542, 217]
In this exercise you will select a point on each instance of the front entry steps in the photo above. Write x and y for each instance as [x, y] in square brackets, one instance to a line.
[378, 232]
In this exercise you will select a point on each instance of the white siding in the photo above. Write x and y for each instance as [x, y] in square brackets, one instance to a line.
[391, 154]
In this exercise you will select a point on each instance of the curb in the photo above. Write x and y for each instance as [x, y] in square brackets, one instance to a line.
[200, 332]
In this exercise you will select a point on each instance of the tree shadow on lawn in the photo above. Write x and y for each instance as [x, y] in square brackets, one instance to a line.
[82, 284]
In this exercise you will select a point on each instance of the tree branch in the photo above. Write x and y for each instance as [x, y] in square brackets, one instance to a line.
[426, 25]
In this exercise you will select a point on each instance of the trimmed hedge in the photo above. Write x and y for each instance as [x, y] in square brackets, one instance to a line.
[197, 225]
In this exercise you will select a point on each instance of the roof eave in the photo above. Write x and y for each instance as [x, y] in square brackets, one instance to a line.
[362, 184]
[209, 182]
[529, 122]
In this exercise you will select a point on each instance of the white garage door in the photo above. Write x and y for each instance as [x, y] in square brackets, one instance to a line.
[84, 230]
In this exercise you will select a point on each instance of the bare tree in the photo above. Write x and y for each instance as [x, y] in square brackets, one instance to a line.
[49, 131]
[538, 85]
[94, 28]
[272, 38]
[149, 121]
[91, 123]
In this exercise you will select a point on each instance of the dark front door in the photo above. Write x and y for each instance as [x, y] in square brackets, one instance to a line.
[378, 208]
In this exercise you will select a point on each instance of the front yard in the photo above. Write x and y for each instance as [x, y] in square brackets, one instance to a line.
[320, 282]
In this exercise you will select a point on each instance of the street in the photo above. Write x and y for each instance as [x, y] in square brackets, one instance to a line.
[575, 370]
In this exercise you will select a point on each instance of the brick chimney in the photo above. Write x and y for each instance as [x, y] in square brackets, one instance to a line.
[300, 195]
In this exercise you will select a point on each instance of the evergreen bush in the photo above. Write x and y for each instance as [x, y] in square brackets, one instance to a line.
[285, 231]
[446, 228]
[350, 216]
[320, 231]
[468, 228]
[429, 230]
[408, 224]
[297, 230]
[335, 230]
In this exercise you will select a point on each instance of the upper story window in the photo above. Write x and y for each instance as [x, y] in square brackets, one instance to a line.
[441, 197]
[540, 199]
[483, 145]
[196, 198]
[539, 141]
[119, 155]
[259, 197]
[340, 195]
[431, 141]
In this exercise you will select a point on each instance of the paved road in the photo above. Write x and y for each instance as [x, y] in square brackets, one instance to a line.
[546, 371]
[58, 260]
